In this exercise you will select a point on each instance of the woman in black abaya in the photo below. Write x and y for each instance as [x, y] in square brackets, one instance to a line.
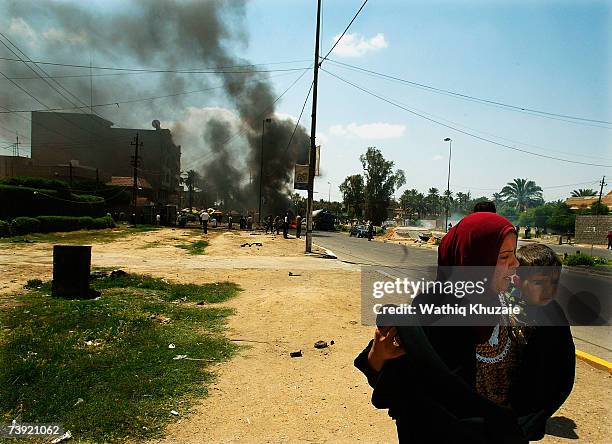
[470, 384]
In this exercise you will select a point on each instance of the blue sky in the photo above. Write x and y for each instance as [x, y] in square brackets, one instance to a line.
[546, 55]
[551, 56]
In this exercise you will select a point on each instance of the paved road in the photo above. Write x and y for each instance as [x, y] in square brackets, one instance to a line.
[398, 260]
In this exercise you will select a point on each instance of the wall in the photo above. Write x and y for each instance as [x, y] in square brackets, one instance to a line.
[593, 229]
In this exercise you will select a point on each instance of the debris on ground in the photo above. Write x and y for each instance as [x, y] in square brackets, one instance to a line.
[98, 274]
[117, 273]
[297, 354]
[332, 342]
[171, 346]
[247, 244]
[174, 413]
[179, 357]
[293, 274]
[320, 344]
[66, 436]
[161, 319]
[79, 401]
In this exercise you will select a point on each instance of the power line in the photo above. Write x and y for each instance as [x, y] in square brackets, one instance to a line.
[343, 32]
[300, 116]
[215, 70]
[473, 98]
[544, 188]
[121, 102]
[475, 136]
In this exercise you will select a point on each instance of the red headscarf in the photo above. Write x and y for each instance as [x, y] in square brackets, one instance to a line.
[475, 240]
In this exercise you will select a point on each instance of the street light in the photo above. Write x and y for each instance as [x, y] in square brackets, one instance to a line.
[263, 127]
[450, 151]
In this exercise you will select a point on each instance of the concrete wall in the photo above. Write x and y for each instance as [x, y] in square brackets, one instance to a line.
[593, 229]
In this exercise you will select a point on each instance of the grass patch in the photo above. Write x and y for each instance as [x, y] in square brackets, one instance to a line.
[113, 354]
[196, 247]
[79, 237]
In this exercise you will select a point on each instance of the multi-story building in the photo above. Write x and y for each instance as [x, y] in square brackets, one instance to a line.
[92, 143]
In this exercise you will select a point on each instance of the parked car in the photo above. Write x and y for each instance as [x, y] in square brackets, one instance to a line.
[359, 231]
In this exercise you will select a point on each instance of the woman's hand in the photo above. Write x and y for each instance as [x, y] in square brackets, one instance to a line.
[386, 346]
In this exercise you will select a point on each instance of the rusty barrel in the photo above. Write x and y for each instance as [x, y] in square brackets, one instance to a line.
[71, 269]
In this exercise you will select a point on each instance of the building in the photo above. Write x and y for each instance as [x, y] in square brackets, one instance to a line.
[86, 146]
[582, 203]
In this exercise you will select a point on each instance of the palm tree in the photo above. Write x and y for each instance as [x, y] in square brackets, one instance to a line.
[433, 202]
[411, 202]
[498, 199]
[522, 193]
[191, 181]
[584, 193]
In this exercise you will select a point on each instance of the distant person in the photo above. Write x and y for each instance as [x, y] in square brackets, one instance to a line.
[298, 228]
[528, 232]
[610, 240]
[277, 224]
[229, 221]
[205, 217]
[286, 226]
[249, 222]
[269, 225]
[157, 220]
[485, 206]
[450, 225]
[370, 230]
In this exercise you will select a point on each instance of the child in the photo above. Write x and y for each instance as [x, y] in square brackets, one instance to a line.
[535, 287]
[542, 326]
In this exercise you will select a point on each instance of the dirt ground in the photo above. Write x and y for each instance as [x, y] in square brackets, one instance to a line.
[264, 395]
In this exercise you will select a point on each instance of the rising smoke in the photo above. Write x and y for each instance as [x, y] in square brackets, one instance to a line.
[170, 33]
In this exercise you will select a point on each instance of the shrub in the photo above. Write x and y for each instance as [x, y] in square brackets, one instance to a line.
[579, 259]
[5, 229]
[103, 222]
[25, 225]
[38, 182]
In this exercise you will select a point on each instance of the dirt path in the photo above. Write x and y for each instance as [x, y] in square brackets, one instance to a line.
[263, 395]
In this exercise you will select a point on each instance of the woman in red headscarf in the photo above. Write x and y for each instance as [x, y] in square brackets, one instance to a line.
[460, 383]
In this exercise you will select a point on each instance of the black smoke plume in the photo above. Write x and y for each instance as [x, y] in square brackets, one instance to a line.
[169, 33]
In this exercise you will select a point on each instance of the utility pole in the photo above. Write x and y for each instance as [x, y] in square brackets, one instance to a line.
[313, 131]
[135, 163]
[601, 185]
[263, 128]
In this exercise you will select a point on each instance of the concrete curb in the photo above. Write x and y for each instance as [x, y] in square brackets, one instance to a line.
[596, 362]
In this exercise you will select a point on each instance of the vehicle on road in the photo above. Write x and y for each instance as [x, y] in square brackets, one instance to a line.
[359, 231]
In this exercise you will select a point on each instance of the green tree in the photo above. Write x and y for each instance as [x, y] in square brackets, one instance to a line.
[353, 195]
[522, 194]
[381, 183]
[192, 180]
[433, 202]
[584, 193]
[411, 202]
[599, 209]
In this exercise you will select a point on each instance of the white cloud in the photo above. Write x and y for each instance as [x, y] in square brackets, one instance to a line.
[437, 157]
[356, 45]
[20, 28]
[59, 36]
[368, 130]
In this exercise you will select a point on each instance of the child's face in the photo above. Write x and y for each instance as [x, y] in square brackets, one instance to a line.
[540, 288]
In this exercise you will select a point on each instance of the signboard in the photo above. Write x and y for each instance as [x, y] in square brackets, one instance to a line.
[300, 180]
